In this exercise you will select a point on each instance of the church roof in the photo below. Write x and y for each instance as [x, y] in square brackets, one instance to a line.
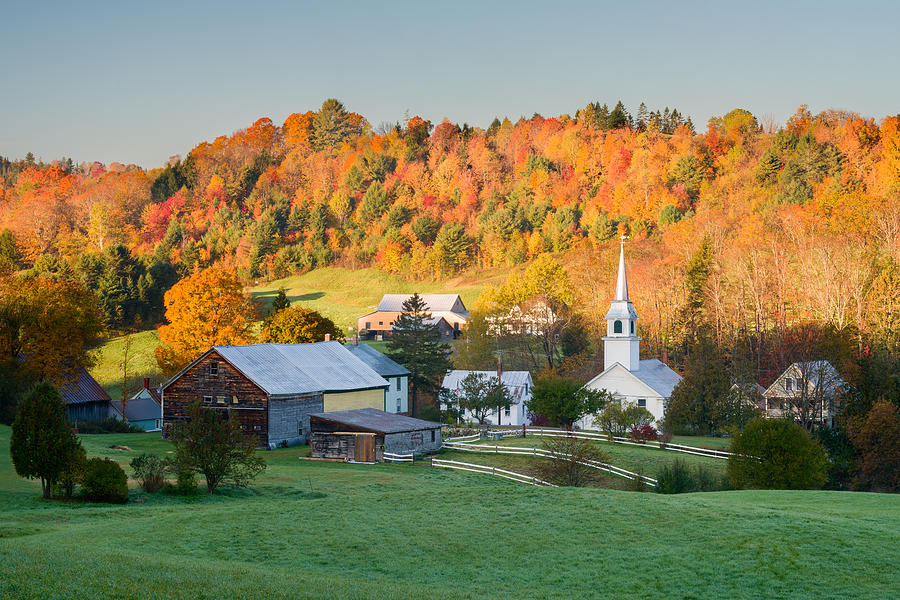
[652, 372]
[621, 307]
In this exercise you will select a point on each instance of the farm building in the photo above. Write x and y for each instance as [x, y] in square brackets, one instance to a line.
[447, 311]
[273, 388]
[144, 408]
[645, 383]
[365, 435]
[86, 401]
[396, 397]
[519, 385]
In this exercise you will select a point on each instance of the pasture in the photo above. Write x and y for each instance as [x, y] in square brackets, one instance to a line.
[329, 530]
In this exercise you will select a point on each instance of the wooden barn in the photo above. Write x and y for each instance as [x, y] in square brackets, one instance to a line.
[86, 401]
[365, 435]
[273, 388]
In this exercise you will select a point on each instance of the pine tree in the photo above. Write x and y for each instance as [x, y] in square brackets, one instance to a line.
[619, 117]
[280, 302]
[643, 115]
[416, 344]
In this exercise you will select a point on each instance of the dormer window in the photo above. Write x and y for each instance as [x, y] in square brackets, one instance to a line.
[617, 327]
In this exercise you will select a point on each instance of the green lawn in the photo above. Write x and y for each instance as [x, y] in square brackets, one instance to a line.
[343, 295]
[324, 530]
[110, 360]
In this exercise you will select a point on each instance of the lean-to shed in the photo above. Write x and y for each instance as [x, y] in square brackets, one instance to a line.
[364, 435]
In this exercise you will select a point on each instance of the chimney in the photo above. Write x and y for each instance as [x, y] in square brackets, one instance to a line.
[327, 337]
[665, 357]
[146, 383]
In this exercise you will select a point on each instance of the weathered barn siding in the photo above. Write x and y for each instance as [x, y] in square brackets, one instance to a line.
[326, 444]
[353, 400]
[228, 390]
[88, 412]
[416, 442]
[289, 418]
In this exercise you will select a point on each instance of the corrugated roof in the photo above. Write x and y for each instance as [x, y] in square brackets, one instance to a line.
[140, 409]
[83, 389]
[434, 302]
[379, 362]
[288, 369]
[517, 382]
[372, 419]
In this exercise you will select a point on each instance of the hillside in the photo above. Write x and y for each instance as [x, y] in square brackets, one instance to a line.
[309, 530]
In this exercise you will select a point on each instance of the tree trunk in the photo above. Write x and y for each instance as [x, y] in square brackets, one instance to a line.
[45, 488]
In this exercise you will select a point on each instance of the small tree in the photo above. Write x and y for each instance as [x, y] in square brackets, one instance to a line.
[618, 419]
[475, 396]
[280, 302]
[566, 465]
[298, 325]
[775, 454]
[877, 439]
[150, 470]
[416, 344]
[210, 442]
[564, 401]
[105, 481]
[43, 444]
[701, 402]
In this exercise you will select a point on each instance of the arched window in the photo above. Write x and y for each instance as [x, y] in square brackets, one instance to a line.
[617, 327]
[632, 328]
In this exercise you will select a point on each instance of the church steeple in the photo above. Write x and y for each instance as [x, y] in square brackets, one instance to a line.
[621, 343]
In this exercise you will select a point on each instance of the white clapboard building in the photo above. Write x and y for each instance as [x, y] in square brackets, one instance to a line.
[519, 385]
[646, 383]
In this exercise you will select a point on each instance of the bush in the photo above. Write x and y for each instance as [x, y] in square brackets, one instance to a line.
[110, 425]
[643, 433]
[564, 466]
[73, 472]
[187, 482]
[876, 438]
[775, 454]
[678, 478]
[150, 470]
[104, 481]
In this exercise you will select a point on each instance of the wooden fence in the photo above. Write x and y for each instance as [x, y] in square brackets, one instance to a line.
[486, 470]
[391, 457]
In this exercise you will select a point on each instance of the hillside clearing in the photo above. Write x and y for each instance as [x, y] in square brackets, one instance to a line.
[311, 529]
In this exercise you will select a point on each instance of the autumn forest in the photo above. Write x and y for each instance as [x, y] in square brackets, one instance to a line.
[772, 238]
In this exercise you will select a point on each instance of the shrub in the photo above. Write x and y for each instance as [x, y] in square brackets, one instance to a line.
[565, 467]
[110, 425]
[877, 439]
[775, 454]
[665, 437]
[643, 433]
[105, 481]
[150, 470]
[675, 478]
[73, 472]
[187, 482]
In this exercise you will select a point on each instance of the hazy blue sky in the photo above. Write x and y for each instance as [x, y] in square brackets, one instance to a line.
[137, 82]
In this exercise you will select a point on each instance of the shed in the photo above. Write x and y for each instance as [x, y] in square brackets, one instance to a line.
[85, 400]
[364, 435]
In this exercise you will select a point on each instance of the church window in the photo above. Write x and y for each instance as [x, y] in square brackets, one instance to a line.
[617, 327]
[632, 328]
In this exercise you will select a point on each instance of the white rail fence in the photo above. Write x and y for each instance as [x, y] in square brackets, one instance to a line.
[392, 457]
[495, 449]
[600, 437]
[486, 470]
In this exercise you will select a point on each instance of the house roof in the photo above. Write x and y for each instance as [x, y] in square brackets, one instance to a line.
[83, 390]
[140, 409]
[653, 373]
[148, 393]
[290, 369]
[433, 302]
[517, 382]
[379, 363]
[372, 419]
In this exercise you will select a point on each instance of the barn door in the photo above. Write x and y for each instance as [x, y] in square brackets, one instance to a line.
[364, 448]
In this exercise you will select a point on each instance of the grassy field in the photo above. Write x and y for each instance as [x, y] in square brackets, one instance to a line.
[325, 530]
[110, 360]
[343, 295]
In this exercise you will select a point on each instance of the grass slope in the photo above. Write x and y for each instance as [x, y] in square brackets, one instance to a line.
[325, 530]
[110, 359]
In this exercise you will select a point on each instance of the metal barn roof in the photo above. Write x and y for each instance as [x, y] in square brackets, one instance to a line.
[372, 419]
[379, 362]
[83, 390]
[288, 369]
[434, 302]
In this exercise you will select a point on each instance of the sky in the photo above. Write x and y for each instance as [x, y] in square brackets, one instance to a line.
[137, 82]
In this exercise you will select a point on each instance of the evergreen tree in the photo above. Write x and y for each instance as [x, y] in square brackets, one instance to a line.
[619, 117]
[43, 444]
[416, 344]
[331, 125]
[280, 302]
[698, 271]
[643, 116]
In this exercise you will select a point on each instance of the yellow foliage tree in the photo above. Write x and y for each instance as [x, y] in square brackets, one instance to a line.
[206, 309]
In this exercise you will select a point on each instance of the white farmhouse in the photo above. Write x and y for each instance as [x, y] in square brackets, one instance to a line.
[517, 383]
[646, 383]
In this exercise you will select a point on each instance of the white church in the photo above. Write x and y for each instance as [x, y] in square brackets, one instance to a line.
[646, 383]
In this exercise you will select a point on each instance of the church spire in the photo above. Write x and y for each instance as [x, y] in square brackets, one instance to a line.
[622, 282]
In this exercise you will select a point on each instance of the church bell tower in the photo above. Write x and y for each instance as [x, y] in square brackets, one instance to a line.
[621, 343]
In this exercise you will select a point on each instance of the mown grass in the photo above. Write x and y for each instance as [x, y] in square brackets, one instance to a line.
[324, 530]
[110, 360]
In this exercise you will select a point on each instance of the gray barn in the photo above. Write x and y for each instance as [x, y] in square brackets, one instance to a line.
[364, 435]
